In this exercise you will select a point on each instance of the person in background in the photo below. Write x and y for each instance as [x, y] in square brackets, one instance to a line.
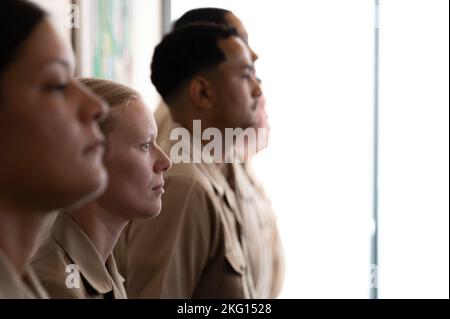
[49, 139]
[208, 15]
[85, 236]
[198, 245]
[259, 217]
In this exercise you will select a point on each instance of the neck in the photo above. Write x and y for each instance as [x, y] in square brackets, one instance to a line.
[246, 150]
[196, 130]
[101, 226]
[19, 229]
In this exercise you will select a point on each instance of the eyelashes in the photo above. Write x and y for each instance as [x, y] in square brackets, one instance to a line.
[60, 87]
[145, 146]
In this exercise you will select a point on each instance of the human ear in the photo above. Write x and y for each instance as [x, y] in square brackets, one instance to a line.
[200, 91]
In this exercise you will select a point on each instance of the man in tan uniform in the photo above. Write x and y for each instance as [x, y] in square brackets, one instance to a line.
[199, 246]
[70, 267]
[261, 224]
[265, 255]
[199, 15]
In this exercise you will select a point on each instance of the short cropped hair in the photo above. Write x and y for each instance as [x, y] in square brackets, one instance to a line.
[186, 52]
[211, 15]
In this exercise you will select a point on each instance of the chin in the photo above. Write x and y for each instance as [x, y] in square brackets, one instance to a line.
[90, 197]
[97, 186]
[149, 213]
[79, 192]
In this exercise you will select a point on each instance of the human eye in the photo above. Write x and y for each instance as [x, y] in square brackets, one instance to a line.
[56, 79]
[247, 75]
[56, 86]
[145, 146]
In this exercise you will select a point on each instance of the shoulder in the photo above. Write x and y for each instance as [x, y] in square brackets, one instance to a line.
[50, 261]
[54, 269]
[187, 176]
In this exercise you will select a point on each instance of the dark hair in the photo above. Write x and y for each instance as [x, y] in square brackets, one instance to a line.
[185, 52]
[18, 18]
[211, 15]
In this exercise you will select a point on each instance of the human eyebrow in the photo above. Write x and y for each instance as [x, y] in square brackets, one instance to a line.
[244, 37]
[61, 62]
[249, 67]
[151, 137]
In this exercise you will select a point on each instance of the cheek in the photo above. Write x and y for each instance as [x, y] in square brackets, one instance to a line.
[59, 115]
[241, 94]
[230, 90]
[129, 189]
[48, 129]
[129, 171]
[233, 102]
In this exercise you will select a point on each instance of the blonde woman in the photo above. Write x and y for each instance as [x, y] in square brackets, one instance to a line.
[76, 260]
[51, 146]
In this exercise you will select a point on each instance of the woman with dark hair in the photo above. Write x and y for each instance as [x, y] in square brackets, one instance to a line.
[51, 145]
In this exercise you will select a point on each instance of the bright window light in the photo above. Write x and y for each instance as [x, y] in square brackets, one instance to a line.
[317, 66]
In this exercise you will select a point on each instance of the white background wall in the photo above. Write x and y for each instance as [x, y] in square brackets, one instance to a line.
[316, 61]
[146, 35]
[414, 149]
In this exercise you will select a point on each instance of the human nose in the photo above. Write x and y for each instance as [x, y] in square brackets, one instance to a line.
[253, 54]
[163, 162]
[92, 108]
[257, 91]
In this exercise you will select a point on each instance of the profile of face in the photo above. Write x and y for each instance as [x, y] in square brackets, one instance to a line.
[135, 163]
[235, 22]
[247, 148]
[51, 145]
[234, 86]
[262, 123]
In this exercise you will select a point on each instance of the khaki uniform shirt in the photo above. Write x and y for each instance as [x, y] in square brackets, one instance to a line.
[15, 286]
[65, 252]
[265, 255]
[198, 247]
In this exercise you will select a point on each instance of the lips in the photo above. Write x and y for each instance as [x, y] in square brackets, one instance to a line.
[159, 189]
